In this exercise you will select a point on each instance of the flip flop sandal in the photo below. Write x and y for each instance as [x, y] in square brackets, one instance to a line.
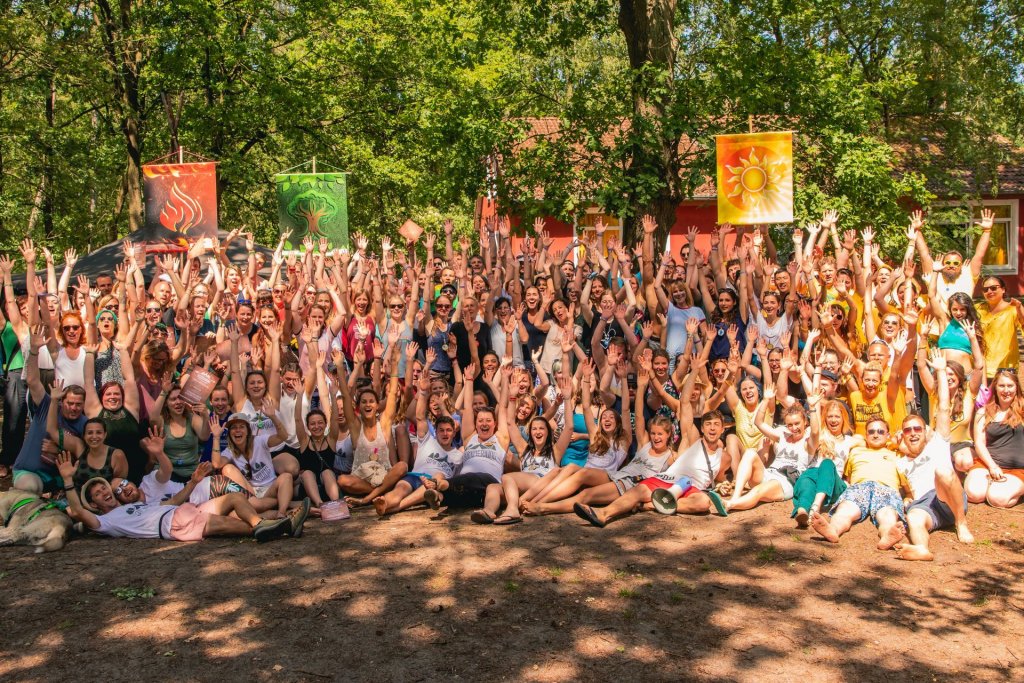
[586, 512]
[506, 520]
[716, 500]
[482, 517]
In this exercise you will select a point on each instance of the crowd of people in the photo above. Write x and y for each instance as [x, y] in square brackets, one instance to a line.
[505, 377]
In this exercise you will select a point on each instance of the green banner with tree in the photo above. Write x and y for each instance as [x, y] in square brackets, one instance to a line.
[313, 204]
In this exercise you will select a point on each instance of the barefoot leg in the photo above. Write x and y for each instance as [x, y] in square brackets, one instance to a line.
[890, 529]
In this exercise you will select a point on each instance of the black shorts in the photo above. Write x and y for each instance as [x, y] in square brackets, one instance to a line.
[467, 490]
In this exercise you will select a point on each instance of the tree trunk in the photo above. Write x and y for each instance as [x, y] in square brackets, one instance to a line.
[648, 27]
[47, 185]
[124, 59]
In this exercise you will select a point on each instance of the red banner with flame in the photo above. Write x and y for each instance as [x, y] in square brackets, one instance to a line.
[181, 201]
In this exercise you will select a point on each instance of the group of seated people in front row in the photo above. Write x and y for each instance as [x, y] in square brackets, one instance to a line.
[516, 381]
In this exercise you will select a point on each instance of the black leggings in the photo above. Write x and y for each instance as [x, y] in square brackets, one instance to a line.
[467, 490]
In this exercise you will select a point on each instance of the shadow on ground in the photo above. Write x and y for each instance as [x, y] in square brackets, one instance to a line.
[413, 598]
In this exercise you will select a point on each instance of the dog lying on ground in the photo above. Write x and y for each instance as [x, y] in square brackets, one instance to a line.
[31, 520]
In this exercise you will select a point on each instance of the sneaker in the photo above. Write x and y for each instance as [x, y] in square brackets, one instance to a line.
[663, 501]
[298, 517]
[269, 529]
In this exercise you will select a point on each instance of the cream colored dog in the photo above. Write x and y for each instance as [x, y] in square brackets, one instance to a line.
[28, 520]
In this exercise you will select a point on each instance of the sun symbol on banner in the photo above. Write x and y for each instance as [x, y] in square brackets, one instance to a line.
[756, 178]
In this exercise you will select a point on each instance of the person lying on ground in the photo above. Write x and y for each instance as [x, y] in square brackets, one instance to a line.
[229, 515]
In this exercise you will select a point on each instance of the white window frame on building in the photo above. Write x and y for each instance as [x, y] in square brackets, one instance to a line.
[1012, 225]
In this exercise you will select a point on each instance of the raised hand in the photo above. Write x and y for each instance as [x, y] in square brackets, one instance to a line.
[829, 219]
[6, 264]
[201, 472]
[916, 223]
[64, 465]
[649, 224]
[28, 252]
[938, 362]
[57, 390]
[988, 218]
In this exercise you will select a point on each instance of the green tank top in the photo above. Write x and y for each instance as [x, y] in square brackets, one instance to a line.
[183, 451]
[13, 359]
[84, 472]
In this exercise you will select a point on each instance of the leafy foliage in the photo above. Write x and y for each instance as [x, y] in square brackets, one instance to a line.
[887, 99]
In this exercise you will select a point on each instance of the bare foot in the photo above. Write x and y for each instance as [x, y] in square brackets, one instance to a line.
[963, 534]
[824, 527]
[531, 509]
[380, 506]
[801, 518]
[892, 536]
[913, 552]
[314, 511]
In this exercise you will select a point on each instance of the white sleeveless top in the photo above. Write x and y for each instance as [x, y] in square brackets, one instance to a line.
[371, 451]
[71, 371]
[483, 457]
[609, 461]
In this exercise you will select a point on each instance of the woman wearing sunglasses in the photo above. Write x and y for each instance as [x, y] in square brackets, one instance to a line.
[1000, 320]
[997, 477]
[69, 360]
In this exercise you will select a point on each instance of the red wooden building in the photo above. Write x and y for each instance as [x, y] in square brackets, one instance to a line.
[1004, 257]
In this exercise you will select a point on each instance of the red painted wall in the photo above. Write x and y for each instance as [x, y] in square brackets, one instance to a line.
[704, 214]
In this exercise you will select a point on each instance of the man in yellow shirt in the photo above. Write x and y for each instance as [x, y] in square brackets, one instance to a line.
[880, 398]
[874, 491]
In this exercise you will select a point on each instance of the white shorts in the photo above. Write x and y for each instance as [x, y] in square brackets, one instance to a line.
[261, 491]
[775, 475]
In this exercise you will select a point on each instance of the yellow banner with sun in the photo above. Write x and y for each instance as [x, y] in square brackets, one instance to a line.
[755, 178]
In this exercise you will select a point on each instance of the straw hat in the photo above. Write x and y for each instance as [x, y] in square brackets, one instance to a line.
[86, 501]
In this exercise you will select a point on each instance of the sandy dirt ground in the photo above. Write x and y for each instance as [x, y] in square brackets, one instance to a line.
[416, 598]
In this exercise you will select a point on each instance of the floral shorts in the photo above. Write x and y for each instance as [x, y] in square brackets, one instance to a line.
[870, 497]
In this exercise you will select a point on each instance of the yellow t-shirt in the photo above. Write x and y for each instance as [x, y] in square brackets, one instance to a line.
[1000, 330]
[865, 409]
[868, 464]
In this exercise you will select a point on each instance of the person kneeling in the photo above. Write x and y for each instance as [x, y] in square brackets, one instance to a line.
[170, 520]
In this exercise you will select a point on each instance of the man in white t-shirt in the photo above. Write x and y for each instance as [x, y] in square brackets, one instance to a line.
[171, 521]
[939, 498]
[693, 470]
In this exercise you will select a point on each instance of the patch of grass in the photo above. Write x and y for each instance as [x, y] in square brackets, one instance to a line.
[684, 584]
[511, 586]
[627, 593]
[620, 649]
[556, 571]
[981, 602]
[766, 554]
[705, 567]
[618, 574]
[986, 542]
[797, 537]
[67, 623]
[128, 594]
[676, 598]
[629, 614]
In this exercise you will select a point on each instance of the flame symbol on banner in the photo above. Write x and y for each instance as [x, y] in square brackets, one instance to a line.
[181, 212]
